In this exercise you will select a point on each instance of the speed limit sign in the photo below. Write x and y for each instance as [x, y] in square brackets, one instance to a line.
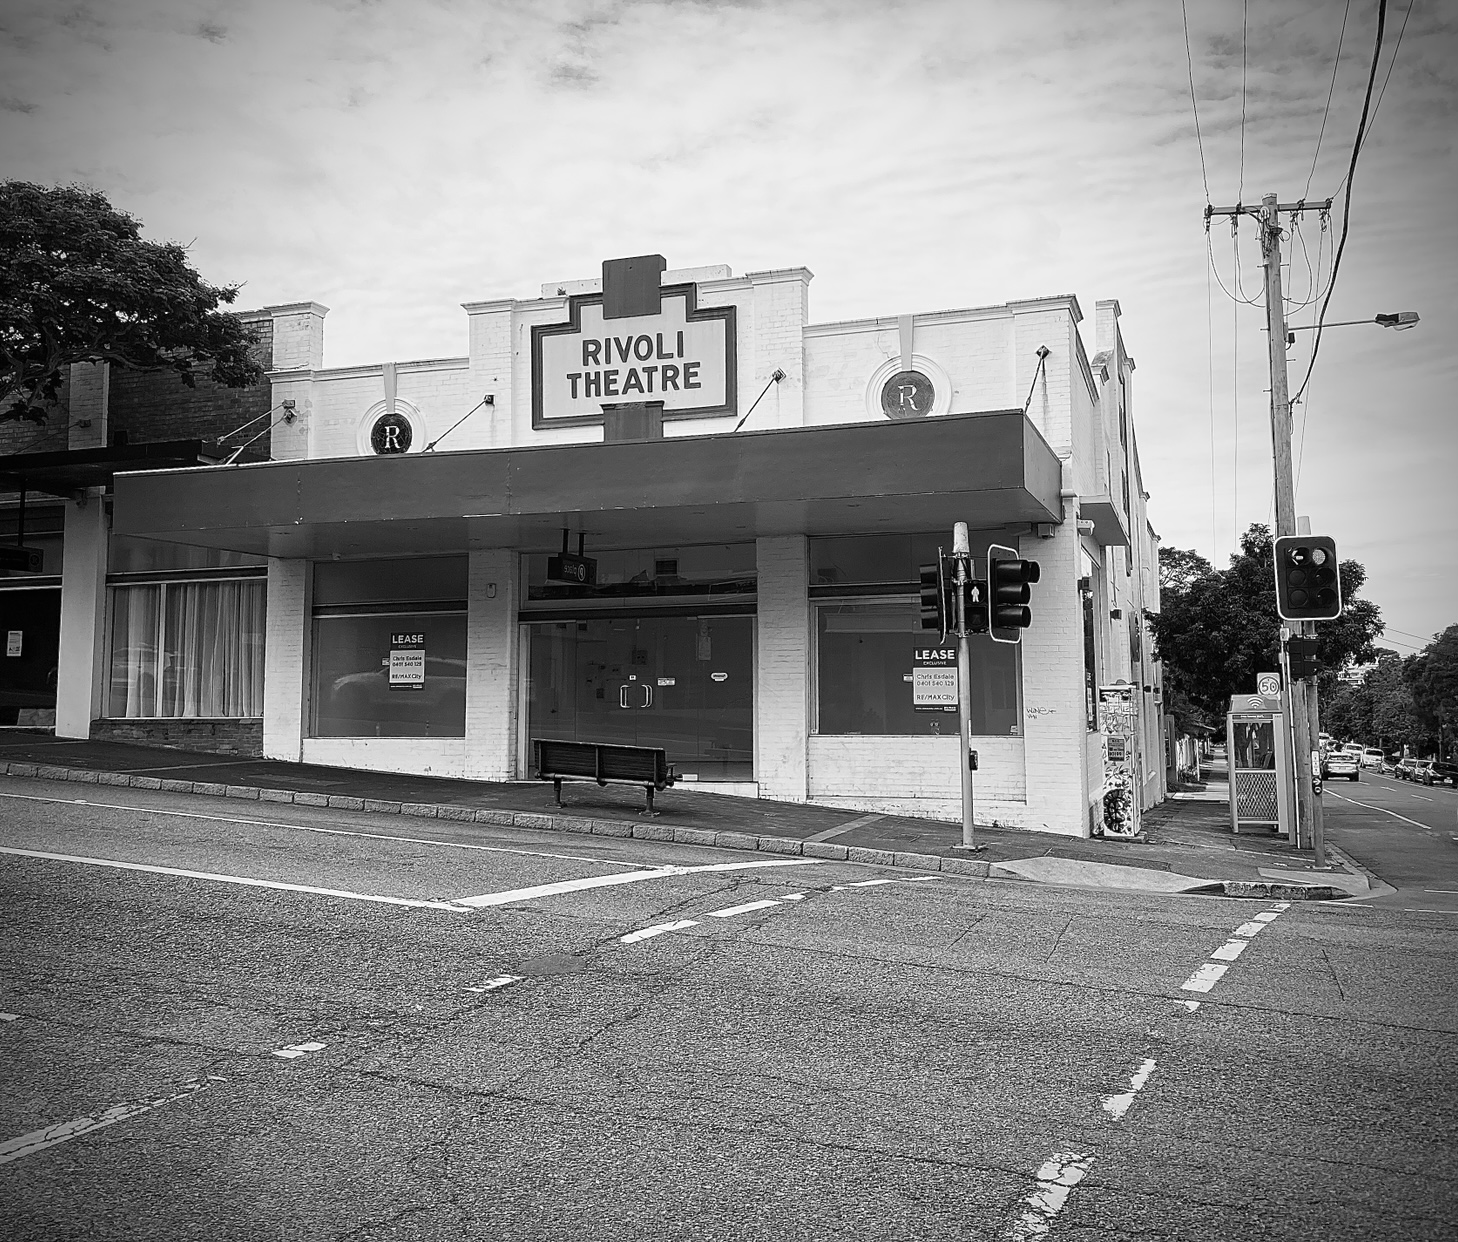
[1268, 685]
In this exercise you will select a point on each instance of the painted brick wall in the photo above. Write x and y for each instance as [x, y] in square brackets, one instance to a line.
[492, 666]
[782, 677]
[917, 776]
[218, 737]
[286, 657]
[83, 589]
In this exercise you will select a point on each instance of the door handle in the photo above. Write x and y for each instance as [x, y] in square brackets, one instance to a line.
[647, 696]
[623, 696]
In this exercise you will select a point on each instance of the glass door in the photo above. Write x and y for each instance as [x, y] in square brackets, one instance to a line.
[682, 684]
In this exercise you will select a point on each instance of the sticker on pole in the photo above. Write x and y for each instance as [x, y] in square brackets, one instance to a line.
[934, 679]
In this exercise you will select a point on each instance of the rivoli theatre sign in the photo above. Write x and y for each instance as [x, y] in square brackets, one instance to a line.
[637, 341]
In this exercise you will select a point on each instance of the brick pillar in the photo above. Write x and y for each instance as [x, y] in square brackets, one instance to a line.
[90, 392]
[782, 680]
[287, 631]
[81, 667]
[492, 666]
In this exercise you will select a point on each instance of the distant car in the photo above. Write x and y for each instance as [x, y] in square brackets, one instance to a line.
[1406, 769]
[1436, 772]
[1372, 758]
[1339, 763]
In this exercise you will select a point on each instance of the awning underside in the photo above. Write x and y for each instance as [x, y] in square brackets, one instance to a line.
[984, 469]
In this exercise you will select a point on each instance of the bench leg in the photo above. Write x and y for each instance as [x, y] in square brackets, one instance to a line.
[650, 813]
[557, 787]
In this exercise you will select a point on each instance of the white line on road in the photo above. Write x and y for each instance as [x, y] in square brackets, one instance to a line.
[607, 881]
[331, 832]
[1383, 809]
[1056, 1178]
[1117, 1105]
[1420, 797]
[236, 879]
[1230, 950]
[658, 929]
[496, 984]
[39, 1140]
[9, 1017]
[1205, 978]
[298, 1050]
[1249, 929]
[731, 911]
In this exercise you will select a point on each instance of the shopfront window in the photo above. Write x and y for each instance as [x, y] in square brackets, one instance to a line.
[648, 575]
[878, 673]
[187, 649]
[389, 648]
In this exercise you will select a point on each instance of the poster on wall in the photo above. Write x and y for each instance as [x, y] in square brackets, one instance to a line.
[1117, 723]
[13, 642]
[407, 661]
[934, 679]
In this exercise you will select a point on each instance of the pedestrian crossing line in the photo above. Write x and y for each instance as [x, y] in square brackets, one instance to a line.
[730, 911]
[294, 1051]
[658, 929]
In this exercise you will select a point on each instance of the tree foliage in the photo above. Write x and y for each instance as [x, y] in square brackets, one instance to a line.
[78, 284]
[1432, 676]
[1218, 628]
[1378, 711]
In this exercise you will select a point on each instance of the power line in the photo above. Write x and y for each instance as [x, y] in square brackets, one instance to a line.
[1396, 48]
[1347, 202]
[1244, 14]
[1334, 65]
[1190, 66]
[1392, 629]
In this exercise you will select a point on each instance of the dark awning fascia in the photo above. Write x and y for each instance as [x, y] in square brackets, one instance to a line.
[71, 472]
[987, 469]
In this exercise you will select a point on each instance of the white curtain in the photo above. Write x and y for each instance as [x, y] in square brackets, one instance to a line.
[191, 649]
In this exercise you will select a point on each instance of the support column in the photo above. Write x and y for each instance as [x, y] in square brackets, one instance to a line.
[82, 660]
[492, 666]
[782, 675]
[286, 658]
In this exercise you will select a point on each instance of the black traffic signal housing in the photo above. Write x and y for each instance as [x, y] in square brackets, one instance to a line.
[1301, 657]
[1008, 577]
[976, 611]
[1308, 585]
[937, 586]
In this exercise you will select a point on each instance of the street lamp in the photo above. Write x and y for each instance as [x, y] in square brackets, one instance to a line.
[1401, 320]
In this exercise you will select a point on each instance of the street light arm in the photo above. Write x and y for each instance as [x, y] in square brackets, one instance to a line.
[1398, 319]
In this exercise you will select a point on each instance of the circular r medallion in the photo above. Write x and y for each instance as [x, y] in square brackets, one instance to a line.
[907, 394]
[391, 434]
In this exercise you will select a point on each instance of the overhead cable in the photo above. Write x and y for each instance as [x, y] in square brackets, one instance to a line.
[1336, 61]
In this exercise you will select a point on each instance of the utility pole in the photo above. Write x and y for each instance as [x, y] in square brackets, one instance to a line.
[961, 555]
[1303, 698]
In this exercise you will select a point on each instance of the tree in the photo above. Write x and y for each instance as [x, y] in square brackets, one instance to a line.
[1217, 629]
[1432, 676]
[78, 284]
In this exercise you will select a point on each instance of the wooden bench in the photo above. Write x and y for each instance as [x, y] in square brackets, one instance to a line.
[601, 762]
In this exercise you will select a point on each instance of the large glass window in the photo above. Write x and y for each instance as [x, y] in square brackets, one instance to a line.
[389, 648]
[866, 660]
[192, 649]
[649, 574]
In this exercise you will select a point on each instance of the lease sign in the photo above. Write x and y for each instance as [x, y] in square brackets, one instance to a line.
[934, 679]
[407, 661]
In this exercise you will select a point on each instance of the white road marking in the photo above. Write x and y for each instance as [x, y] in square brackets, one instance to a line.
[236, 879]
[1383, 809]
[1453, 891]
[850, 824]
[493, 985]
[1190, 1005]
[1266, 916]
[730, 911]
[9, 1017]
[298, 1050]
[658, 929]
[607, 881]
[1420, 797]
[1205, 978]
[793, 897]
[1249, 929]
[39, 1140]
[1056, 1178]
[1117, 1105]
[1230, 950]
[330, 832]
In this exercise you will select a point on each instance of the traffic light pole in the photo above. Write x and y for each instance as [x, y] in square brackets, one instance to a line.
[961, 553]
[1301, 711]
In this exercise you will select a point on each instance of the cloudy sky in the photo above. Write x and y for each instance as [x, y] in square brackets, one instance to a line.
[394, 159]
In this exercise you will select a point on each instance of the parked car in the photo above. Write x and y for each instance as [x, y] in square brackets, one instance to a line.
[1435, 772]
[1339, 763]
[1406, 769]
[1372, 758]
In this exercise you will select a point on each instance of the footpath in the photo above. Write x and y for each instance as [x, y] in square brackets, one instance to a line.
[1186, 845]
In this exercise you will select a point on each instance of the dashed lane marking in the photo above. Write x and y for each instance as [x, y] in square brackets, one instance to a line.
[731, 911]
[1059, 1175]
[496, 984]
[249, 881]
[536, 891]
[9, 1017]
[297, 1050]
[1205, 978]
[61, 1132]
[658, 929]
[1383, 809]
[1117, 1105]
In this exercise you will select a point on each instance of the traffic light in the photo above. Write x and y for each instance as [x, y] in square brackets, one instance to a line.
[1301, 656]
[974, 603]
[1308, 587]
[1008, 595]
[937, 586]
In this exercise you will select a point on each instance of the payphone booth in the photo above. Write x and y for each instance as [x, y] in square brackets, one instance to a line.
[1260, 777]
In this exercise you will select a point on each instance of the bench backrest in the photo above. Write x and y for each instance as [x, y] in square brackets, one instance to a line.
[600, 760]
